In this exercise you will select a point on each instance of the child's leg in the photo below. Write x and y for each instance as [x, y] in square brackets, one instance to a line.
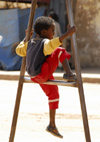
[52, 114]
[52, 93]
[52, 127]
[63, 57]
[68, 75]
[53, 97]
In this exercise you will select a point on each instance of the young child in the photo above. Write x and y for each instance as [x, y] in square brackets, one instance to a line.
[42, 57]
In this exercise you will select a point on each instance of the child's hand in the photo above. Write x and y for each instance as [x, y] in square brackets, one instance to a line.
[71, 30]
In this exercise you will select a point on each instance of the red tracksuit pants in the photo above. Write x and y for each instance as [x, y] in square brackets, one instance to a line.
[47, 70]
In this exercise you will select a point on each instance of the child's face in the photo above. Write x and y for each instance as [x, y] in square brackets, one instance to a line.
[48, 33]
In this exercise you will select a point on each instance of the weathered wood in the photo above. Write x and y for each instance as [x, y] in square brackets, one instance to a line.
[79, 84]
[54, 82]
[20, 84]
[78, 73]
[86, 79]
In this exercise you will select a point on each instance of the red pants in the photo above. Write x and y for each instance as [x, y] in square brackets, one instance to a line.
[47, 71]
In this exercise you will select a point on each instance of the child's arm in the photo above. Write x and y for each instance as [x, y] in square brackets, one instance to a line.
[70, 32]
[22, 47]
[51, 45]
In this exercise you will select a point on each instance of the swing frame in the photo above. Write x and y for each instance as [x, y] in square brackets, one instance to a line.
[77, 84]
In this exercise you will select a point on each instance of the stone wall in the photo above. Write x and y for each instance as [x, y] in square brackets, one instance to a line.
[87, 20]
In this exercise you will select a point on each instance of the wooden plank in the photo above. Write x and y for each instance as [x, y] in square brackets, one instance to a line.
[20, 84]
[53, 82]
[78, 73]
[86, 79]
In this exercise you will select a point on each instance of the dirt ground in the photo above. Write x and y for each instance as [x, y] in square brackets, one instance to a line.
[33, 116]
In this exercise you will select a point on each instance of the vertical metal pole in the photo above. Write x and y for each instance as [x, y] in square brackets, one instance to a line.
[78, 73]
[22, 72]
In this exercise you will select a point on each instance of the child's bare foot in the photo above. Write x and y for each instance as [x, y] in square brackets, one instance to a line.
[69, 77]
[54, 131]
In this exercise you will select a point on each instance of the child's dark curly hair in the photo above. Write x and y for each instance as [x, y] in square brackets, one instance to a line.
[41, 23]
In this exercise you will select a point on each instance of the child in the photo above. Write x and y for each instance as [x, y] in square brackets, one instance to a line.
[42, 57]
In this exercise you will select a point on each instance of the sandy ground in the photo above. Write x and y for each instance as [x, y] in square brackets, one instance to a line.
[33, 115]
